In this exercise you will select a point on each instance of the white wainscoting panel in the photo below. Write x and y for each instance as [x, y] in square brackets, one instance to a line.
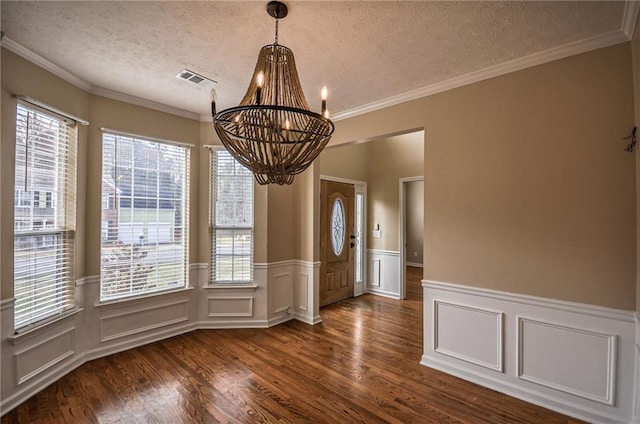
[384, 275]
[306, 293]
[44, 355]
[125, 322]
[376, 272]
[237, 306]
[281, 293]
[576, 359]
[471, 334]
[547, 354]
[301, 292]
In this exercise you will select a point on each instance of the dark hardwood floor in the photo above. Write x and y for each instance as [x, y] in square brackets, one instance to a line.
[361, 364]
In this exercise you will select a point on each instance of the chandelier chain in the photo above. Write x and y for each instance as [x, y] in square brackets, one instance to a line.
[277, 20]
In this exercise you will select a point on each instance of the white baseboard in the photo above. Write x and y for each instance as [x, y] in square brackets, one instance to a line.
[549, 402]
[279, 320]
[573, 358]
[378, 292]
[221, 325]
[307, 319]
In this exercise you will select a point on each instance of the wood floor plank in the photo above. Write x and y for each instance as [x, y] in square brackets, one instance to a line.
[361, 364]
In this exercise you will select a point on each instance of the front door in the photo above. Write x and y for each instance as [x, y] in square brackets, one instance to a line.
[337, 241]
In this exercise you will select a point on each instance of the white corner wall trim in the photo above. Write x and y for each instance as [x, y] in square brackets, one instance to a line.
[578, 359]
[556, 53]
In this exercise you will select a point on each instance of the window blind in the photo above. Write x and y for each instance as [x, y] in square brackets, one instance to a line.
[145, 216]
[231, 220]
[44, 215]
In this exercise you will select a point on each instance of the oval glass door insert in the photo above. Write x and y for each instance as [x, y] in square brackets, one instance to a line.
[337, 227]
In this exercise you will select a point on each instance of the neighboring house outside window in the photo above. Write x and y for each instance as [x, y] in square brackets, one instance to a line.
[231, 220]
[145, 216]
[44, 215]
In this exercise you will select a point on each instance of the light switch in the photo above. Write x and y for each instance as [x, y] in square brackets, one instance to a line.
[376, 233]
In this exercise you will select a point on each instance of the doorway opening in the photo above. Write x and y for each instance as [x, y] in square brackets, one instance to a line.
[379, 164]
[411, 225]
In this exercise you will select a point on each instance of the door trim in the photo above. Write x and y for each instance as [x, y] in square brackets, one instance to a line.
[402, 237]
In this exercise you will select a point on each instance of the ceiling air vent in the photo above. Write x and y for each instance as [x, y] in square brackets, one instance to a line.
[196, 78]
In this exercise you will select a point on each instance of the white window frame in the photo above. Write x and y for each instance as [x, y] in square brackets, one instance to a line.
[213, 227]
[44, 292]
[136, 288]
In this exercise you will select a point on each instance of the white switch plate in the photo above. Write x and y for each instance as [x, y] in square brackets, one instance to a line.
[376, 233]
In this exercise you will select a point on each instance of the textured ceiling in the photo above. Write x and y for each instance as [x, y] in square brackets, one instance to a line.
[363, 51]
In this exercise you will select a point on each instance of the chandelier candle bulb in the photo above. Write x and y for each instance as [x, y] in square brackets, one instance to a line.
[260, 82]
[214, 97]
[323, 95]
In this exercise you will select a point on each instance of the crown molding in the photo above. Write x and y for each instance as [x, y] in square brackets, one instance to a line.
[556, 53]
[629, 18]
[46, 64]
[115, 95]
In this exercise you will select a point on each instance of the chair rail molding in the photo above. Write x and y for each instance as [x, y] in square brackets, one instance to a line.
[577, 359]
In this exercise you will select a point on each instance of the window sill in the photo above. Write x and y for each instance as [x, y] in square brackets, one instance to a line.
[230, 286]
[41, 326]
[141, 298]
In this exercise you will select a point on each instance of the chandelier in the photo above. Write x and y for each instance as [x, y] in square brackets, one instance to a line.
[273, 132]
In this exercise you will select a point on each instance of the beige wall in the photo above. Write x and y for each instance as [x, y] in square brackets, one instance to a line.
[380, 163]
[635, 47]
[414, 221]
[527, 189]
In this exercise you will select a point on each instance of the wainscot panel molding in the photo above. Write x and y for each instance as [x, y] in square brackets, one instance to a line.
[44, 355]
[125, 322]
[470, 334]
[37, 357]
[230, 306]
[597, 353]
[577, 359]
[384, 273]
[306, 307]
